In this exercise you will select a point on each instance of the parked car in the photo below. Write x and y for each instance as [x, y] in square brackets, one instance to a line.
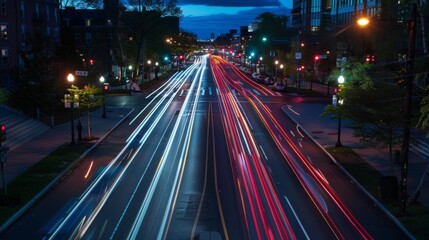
[278, 86]
[259, 79]
[268, 80]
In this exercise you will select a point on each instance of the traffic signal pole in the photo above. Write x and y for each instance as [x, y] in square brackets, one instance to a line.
[407, 113]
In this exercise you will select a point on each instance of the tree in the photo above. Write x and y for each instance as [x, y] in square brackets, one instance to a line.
[139, 35]
[89, 98]
[424, 113]
[373, 106]
[272, 39]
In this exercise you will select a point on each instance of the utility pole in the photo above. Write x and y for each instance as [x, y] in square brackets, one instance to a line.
[407, 113]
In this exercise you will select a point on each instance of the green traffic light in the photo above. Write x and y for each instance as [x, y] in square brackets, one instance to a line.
[264, 39]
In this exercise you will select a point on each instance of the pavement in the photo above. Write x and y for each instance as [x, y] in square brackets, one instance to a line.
[321, 129]
[22, 157]
[324, 131]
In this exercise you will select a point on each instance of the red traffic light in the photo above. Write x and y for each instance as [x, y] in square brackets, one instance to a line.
[181, 57]
[316, 58]
[2, 133]
[91, 61]
[106, 87]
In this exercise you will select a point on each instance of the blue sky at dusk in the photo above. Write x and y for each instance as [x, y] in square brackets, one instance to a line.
[204, 17]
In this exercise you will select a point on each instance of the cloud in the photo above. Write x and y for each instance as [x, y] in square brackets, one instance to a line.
[232, 3]
[203, 26]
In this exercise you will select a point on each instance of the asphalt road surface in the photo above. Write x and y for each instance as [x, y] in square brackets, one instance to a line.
[208, 155]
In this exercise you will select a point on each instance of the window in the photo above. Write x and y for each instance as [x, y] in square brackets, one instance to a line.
[88, 22]
[47, 13]
[3, 11]
[3, 30]
[4, 57]
[22, 9]
[88, 38]
[37, 11]
[23, 34]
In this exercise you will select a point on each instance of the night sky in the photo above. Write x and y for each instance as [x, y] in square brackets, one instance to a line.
[204, 17]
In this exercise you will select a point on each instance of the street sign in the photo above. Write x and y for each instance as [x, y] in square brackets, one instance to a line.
[298, 55]
[81, 73]
[67, 101]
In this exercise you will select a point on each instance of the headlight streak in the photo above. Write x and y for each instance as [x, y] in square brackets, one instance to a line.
[89, 169]
[290, 109]
[146, 202]
[177, 82]
[297, 218]
[298, 131]
[183, 158]
[88, 192]
[92, 186]
[231, 111]
[139, 182]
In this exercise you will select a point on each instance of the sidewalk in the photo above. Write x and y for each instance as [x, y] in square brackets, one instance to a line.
[26, 155]
[324, 131]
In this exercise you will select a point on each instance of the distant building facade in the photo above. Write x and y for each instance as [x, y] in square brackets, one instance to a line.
[19, 22]
[323, 22]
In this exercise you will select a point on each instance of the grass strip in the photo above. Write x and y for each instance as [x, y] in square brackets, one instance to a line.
[417, 215]
[36, 178]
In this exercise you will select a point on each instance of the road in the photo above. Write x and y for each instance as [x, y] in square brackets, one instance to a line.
[208, 154]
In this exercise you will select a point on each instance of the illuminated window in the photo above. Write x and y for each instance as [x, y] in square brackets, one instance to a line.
[3, 29]
[4, 57]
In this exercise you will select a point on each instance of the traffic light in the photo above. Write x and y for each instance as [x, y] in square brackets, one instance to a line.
[370, 59]
[3, 132]
[106, 88]
[91, 62]
[316, 57]
[181, 57]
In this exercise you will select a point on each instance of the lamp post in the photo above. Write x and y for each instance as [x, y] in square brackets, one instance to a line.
[339, 102]
[70, 79]
[104, 101]
[407, 115]
[156, 70]
[276, 63]
[148, 63]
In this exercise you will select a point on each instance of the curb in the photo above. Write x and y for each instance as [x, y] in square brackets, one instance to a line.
[361, 188]
[59, 178]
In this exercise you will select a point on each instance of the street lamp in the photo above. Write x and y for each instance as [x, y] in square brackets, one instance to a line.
[276, 63]
[104, 101]
[156, 70]
[337, 103]
[148, 63]
[363, 21]
[70, 79]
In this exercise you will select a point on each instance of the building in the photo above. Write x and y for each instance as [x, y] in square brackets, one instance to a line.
[21, 23]
[329, 27]
[91, 31]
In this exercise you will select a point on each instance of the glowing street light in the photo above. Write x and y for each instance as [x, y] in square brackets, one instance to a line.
[363, 21]
[339, 102]
[104, 104]
[70, 79]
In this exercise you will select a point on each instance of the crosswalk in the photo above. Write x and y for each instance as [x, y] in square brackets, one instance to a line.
[214, 91]
[19, 127]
